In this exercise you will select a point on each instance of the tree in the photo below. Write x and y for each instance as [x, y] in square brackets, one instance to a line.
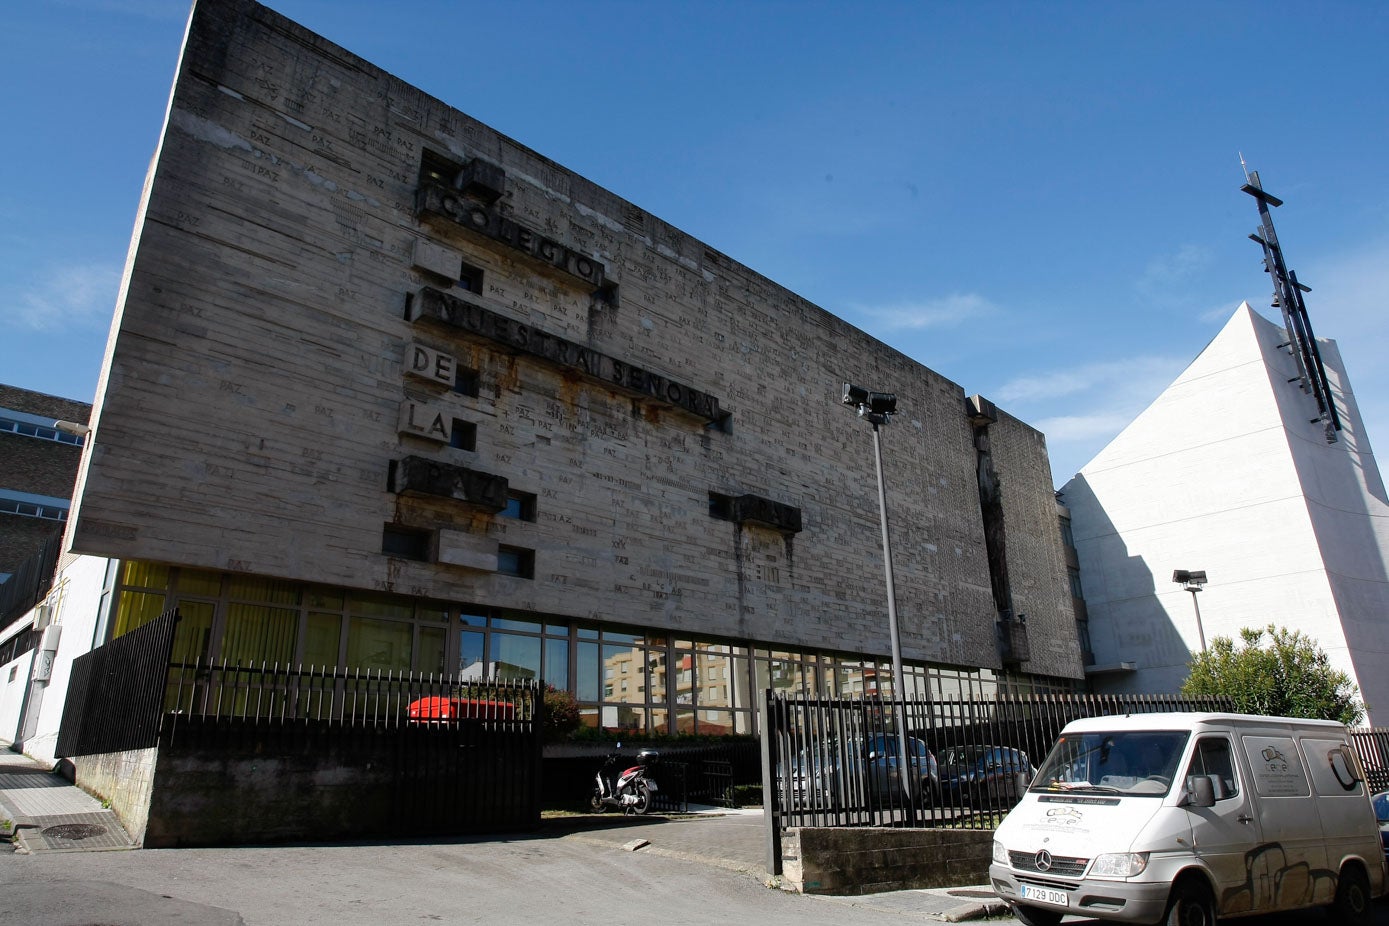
[561, 713]
[1289, 676]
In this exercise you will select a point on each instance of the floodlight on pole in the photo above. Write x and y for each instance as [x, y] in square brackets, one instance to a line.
[1192, 581]
[877, 408]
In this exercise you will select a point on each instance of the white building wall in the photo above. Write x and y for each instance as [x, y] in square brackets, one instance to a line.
[1225, 472]
[14, 682]
[75, 600]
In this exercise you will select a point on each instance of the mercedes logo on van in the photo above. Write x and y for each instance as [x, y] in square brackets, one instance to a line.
[1043, 860]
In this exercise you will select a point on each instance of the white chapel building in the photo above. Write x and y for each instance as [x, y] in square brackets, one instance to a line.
[1229, 472]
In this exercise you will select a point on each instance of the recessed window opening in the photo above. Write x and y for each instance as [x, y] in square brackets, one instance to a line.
[516, 561]
[405, 542]
[465, 382]
[519, 505]
[470, 278]
[463, 435]
[435, 168]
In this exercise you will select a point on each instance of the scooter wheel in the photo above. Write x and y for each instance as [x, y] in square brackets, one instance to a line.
[643, 803]
[595, 803]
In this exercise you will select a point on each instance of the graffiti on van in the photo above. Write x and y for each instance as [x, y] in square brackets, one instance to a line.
[1272, 883]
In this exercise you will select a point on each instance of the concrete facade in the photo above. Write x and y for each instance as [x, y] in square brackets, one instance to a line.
[368, 343]
[1226, 472]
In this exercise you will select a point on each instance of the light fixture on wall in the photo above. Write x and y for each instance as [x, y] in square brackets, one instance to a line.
[1192, 581]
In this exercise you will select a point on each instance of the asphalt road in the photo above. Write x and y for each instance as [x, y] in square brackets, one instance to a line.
[525, 880]
[541, 879]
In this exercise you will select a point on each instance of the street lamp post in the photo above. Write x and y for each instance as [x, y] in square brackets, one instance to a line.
[1192, 581]
[876, 408]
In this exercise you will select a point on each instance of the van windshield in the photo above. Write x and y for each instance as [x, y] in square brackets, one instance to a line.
[1140, 763]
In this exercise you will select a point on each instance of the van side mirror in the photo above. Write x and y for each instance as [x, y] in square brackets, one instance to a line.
[1200, 792]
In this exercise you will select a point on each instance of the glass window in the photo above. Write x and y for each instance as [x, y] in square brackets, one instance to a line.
[368, 604]
[587, 665]
[625, 663]
[199, 582]
[1213, 759]
[557, 663]
[322, 638]
[473, 620]
[270, 591]
[373, 644]
[515, 657]
[471, 655]
[135, 609]
[656, 674]
[516, 561]
[192, 637]
[511, 623]
[326, 599]
[256, 633]
[431, 650]
[146, 575]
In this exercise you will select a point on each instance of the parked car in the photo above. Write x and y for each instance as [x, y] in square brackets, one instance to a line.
[1381, 802]
[834, 774]
[439, 709]
[985, 775]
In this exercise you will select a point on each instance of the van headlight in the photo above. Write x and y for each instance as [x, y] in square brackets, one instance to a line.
[1000, 853]
[1119, 864]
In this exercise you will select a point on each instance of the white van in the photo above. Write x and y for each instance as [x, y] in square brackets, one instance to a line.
[1180, 818]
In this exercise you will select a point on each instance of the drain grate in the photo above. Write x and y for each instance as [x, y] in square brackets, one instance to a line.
[74, 831]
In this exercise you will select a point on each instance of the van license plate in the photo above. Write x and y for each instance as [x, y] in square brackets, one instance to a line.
[1045, 895]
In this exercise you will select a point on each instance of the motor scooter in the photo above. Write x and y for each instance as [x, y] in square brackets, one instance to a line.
[631, 792]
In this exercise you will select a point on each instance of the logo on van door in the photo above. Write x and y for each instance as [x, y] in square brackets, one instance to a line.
[1277, 762]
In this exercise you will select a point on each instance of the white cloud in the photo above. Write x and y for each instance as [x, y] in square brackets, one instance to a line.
[1084, 428]
[1132, 376]
[67, 296]
[1218, 315]
[945, 312]
[1162, 273]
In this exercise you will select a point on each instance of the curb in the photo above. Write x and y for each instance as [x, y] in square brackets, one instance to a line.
[976, 911]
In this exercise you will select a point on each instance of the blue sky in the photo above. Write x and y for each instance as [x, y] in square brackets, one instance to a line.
[1038, 200]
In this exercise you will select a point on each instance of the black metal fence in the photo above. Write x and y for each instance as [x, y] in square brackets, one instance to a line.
[115, 692]
[687, 773]
[427, 753]
[1372, 745]
[31, 581]
[837, 762]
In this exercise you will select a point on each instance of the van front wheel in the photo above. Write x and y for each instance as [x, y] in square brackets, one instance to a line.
[1191, 905]
[1352, 904]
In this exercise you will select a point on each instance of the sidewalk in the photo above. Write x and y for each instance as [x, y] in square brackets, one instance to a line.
[47, 813]
[736, 840]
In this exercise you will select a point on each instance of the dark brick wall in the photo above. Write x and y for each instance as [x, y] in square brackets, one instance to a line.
[35, 465]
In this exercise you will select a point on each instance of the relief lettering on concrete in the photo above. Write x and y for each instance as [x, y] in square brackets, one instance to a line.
[435, 201]
[428, 363]
[421, 420]
[414, 475]
[442, 308]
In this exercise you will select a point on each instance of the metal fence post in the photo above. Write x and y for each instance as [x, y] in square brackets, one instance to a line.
[769, 790]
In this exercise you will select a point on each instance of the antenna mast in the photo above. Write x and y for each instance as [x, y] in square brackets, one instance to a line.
[1287, 295]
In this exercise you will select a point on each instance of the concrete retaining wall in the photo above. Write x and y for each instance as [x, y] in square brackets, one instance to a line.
[125, 781]
[868, 860]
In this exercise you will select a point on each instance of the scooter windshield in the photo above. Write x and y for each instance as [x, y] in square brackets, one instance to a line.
[1141, 763]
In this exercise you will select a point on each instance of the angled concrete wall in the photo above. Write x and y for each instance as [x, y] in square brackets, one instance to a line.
[1225, 473]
